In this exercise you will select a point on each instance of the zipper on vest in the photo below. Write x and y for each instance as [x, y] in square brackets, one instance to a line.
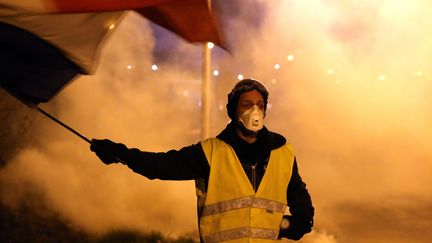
[253, 167]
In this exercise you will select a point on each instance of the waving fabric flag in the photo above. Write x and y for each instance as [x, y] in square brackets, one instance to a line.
[44, 44]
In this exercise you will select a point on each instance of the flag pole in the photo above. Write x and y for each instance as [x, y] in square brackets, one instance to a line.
[73, 131]
[63, 125]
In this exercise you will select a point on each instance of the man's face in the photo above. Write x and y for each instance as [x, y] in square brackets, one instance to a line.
[247, 100]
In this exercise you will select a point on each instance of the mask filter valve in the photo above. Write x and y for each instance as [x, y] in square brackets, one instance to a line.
[253, 119]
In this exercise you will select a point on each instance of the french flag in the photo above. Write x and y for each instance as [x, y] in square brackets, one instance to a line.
[44, 44]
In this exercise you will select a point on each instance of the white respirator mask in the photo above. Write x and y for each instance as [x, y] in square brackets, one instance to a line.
[253, 119]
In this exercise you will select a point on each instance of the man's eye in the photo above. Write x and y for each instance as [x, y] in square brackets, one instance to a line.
[247, 105]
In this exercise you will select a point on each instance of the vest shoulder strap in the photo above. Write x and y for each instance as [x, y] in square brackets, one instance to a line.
[210, 144]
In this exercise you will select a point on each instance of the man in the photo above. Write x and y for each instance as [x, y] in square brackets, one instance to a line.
[245, 177]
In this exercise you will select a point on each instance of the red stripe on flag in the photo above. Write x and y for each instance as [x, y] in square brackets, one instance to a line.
[69, 6]
[191, 21]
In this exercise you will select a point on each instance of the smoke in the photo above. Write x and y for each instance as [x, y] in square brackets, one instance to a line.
[350, 87]
[124, 101]
[352, 93]
[355, 104]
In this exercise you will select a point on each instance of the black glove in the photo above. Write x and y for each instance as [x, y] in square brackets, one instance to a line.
[296, 229]
[107, 151]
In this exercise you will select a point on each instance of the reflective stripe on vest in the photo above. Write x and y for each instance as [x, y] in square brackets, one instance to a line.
[245, 232]
[232, 210]
[255, 202]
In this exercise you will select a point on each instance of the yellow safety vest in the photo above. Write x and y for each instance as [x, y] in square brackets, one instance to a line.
[231, 210]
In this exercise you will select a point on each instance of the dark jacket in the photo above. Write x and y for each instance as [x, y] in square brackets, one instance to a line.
[190, 163]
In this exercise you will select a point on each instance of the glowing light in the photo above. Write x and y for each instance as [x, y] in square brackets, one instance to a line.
[418, 74]
[330, 71]
[273, 81]
[240, 76]
[111, 26]
[382, 77]
[277, 66]
[290, 57]
[129, 66]
[215, 73]
[210, 45]
[338, 82]
[154, 67]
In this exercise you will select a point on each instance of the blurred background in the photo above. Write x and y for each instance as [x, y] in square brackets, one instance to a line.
[350, 87]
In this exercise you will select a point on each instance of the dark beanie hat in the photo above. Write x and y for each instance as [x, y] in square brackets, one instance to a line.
[241, 87]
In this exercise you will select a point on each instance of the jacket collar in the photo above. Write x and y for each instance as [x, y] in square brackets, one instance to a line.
[269, 139]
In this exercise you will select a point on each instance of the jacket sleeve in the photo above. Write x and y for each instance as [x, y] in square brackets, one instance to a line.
[187, 163]
[300, 207]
